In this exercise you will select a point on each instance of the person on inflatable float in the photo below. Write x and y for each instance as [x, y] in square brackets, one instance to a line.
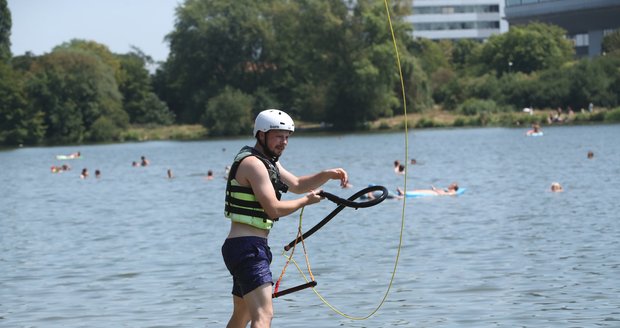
[253, 203]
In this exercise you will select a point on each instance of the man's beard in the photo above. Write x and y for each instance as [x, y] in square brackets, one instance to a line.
[271, 154]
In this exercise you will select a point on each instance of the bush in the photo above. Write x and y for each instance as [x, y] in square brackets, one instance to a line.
[482, 119]
[425, 123]
[597, 117]
[581, 117]
[384, 126]
[613, 115]
[459, 122]
[462, 121]
[156, 111]
[229, 113]
[475, 106]
[483, 87]
[507, 119]
[103, 129]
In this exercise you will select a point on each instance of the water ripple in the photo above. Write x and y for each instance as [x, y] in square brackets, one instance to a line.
[135, 249]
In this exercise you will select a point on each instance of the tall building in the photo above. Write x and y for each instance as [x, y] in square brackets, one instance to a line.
[586, 21]
[457, 19]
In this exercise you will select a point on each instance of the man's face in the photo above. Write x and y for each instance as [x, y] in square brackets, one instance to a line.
[277, 141]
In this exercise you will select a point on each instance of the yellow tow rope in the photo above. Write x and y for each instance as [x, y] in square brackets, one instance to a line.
[402, 222]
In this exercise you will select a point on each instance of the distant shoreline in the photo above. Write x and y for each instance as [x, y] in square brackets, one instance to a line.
[431, 119]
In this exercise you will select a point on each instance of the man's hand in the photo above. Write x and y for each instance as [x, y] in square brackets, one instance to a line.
[340, 174]
[313, 197]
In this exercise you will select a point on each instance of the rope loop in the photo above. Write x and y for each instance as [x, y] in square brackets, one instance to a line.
[342, 203]
[350, 203]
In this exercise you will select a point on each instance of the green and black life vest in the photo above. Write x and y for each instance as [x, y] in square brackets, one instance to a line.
[241, 205]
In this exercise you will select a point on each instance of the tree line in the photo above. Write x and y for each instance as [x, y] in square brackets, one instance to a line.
[321, 60]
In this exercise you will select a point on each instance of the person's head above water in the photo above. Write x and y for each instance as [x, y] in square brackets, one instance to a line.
[556, 187]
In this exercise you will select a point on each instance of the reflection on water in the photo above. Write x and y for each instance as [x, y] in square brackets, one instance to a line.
[137, 249]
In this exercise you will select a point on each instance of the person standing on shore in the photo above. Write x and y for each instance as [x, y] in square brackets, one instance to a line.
[253, 203]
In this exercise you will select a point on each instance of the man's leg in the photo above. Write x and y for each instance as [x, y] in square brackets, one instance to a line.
[241, 314]
[260, 306]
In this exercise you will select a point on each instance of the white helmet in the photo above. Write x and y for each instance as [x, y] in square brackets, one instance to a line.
[273, 119]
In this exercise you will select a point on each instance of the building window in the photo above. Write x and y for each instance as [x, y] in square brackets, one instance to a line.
[580, 40]
[447, 10]
[512, 3]
[442, 26]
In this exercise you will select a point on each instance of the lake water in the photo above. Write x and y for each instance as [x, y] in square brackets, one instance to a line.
[136, 249]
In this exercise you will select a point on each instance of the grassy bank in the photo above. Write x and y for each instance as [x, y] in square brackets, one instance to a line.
[171, 132]
[430, 119]
[438, 118]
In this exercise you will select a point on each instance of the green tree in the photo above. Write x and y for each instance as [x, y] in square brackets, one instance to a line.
[527, 49]
[97, 49]
[418, 87]
[432, 55]
[24, 62]
[611, 66]
[481, 87]
[308, 35]
[551, 88]
[74, 88]
[139, 101]
[517, 90]
[18, 123]
[319, 59]
[155, 111]
[229, 113]
[435, 73]
[592, 81]
[611, 43]
[215, 43]
[5, 31]
[465, 52]
[367, 78]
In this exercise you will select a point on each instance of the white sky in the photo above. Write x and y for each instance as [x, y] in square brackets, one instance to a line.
[40, 25]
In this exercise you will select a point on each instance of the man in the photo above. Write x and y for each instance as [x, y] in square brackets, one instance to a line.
[255, 184]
